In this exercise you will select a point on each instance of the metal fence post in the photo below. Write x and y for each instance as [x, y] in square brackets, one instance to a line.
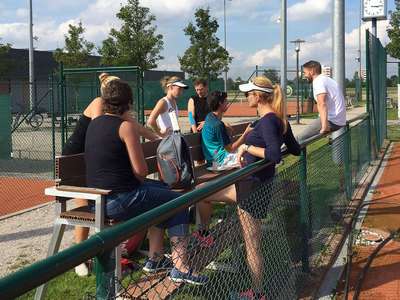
[347, 162]
[105, 275]
[62, 103]
[305, 212]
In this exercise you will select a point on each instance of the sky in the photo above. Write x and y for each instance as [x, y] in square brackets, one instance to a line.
[253, 29]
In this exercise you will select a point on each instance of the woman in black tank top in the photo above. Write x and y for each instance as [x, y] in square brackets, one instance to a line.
[114, 160]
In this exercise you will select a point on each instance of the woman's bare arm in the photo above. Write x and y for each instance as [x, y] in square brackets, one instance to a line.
[130, 136]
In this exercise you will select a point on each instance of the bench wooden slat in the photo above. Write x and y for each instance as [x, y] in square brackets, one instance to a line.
[77, 189]
[84, 213]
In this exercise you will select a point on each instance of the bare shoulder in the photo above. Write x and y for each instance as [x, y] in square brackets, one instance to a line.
[95, 108]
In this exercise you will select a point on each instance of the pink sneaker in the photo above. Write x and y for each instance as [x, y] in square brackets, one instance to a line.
[206, 241]
[251, 295]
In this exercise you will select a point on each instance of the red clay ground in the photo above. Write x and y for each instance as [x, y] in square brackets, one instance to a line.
[25, 192]
[383, 278]
[243, 110]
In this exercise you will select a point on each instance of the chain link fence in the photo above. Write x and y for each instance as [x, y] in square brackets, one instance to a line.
[271, 247]
[26, 142]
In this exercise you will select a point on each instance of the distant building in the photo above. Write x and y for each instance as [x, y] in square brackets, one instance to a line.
[16, 81]
[327, 70]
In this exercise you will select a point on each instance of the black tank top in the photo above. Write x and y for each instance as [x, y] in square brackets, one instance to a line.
[201, 108]
[76, 142]
[107, 161]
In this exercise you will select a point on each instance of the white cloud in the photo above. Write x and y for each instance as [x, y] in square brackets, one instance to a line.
[264, 57]
[21, 13]
[306, 10]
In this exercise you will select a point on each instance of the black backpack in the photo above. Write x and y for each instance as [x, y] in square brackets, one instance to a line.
[174, 163]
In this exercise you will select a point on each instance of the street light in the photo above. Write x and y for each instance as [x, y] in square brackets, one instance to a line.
[297, 43]
[225, 71]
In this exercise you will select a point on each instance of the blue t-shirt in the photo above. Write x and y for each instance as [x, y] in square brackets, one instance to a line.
[214, 139]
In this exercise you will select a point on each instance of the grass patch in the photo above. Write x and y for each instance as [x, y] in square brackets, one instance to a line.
[392, 114]
[67, 286]
[393, 132]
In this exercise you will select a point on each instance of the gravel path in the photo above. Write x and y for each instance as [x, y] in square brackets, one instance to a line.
[24, 238]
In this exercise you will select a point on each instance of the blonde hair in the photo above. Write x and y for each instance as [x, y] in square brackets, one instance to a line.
[167, 80]
[275, 98]
[105, 79]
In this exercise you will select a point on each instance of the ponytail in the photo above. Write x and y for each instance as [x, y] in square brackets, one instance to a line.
[278, 105]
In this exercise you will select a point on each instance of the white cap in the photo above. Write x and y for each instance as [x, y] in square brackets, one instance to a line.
[251, 86]
[178, 83]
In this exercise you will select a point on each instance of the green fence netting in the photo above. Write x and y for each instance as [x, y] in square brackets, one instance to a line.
[376, 91]
[26, 147]
[271, 246]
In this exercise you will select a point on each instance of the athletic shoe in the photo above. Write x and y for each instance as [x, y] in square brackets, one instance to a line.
[205, 239]
[177, 276]
[82, 270]
[152, 266]
[248, 295]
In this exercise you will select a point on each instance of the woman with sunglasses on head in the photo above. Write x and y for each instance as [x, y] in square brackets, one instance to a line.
[160, 118]
[264, 142]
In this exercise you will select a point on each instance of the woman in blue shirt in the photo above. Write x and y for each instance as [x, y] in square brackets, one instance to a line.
[263, 142]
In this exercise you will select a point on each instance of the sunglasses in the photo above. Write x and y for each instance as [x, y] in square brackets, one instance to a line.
[247, 94]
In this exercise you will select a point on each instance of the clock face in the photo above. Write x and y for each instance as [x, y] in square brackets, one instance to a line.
[374, 9]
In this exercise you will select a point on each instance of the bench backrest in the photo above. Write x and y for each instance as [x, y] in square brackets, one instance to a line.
[70, 169]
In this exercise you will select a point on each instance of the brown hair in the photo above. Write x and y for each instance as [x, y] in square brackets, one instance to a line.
[275, 98]
[200, 81]
[117, 97]
[167, 80]
[312, 64]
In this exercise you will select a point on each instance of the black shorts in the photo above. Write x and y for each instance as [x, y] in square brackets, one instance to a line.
[253, 196]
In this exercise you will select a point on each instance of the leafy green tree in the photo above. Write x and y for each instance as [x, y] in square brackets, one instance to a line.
[393, 47]
[5, 62]
[136, 43]
[77, 50]
[273, 75]
[205, 57]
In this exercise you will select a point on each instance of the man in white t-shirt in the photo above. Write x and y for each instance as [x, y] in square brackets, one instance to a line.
[330, 102]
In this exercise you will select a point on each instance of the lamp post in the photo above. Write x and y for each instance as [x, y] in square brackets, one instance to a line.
[297, 44]
[225, 71]
[32, 92]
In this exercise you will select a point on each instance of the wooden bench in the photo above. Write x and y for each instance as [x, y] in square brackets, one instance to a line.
[71, 184]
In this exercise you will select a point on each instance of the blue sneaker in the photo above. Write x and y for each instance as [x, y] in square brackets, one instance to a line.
[152, 266]
[177, 276]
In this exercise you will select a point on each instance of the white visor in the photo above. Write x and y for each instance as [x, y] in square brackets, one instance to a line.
[250, 86]
[178, 83]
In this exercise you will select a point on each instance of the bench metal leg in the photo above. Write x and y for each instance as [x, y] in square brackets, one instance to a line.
[58, 232]
[118, 269]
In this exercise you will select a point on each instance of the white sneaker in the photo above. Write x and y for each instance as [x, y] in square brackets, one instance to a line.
[82, 270]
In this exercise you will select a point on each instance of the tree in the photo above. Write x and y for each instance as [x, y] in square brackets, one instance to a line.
[272, 75]
[5, 62]
[393, 47]
[77, 50]
[205, 58]
[136, 43]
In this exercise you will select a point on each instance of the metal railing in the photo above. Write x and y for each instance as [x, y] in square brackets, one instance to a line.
[301, 208]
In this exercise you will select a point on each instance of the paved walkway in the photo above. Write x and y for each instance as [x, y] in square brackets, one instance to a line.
[383, 278]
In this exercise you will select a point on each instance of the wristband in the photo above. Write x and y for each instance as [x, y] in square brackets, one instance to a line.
[191, 119]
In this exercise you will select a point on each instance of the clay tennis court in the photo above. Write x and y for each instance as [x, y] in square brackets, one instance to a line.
[383, 278]
[22, 193]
